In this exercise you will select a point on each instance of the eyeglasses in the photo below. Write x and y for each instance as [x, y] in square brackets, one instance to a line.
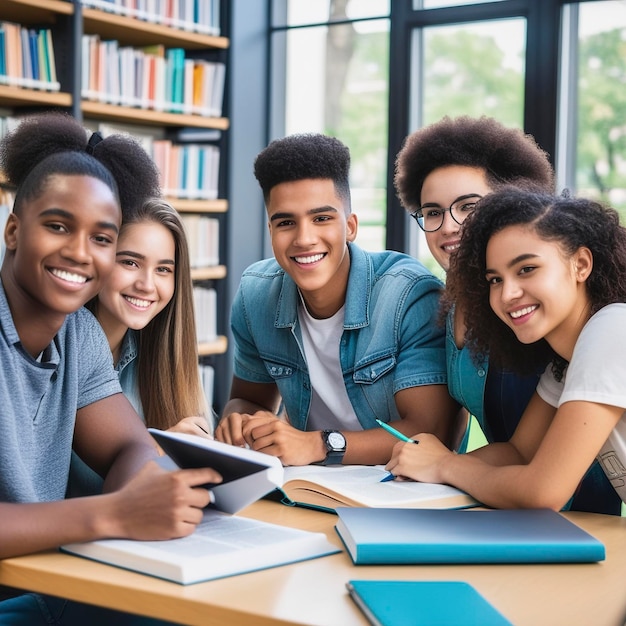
[430, 217]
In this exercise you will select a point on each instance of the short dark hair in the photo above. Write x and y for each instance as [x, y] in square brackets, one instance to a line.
[573, 223]
[507, 155]
[302, 156]
[47, 144]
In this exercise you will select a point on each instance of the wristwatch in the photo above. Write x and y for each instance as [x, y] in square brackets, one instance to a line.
[335, 444]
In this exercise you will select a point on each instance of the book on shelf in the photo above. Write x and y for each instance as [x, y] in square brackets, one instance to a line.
[151, 77]
[27, 57]
[205, 310]
[221, 545]
[201, 16]
[423, 603]
[417, 536]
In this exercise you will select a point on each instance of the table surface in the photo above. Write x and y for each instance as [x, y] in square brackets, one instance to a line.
[313, 592]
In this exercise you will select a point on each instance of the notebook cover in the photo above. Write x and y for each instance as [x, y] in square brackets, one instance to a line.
[427, 603]
[397, 536]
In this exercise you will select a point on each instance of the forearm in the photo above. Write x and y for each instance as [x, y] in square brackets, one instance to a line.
[372, 446]
[505, 486]
[28, 528]
[127, 463]
[243, 406]
[498, 454]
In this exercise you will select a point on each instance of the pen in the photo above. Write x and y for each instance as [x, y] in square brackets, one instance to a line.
[396, 433]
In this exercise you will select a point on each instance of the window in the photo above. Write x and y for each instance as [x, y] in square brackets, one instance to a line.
[330, 62]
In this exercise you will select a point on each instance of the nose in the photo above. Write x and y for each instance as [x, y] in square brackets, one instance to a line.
[511, 291]
[77, 249]
[145, 281]
[449, 225]
[305, 234]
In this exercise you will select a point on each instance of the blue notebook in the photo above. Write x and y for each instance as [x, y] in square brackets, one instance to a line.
[404, 536]
[427, 603]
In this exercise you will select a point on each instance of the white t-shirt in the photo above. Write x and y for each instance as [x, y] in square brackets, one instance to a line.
[330, 406]
[597, 373]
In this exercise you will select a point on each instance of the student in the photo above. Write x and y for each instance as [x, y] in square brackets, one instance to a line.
[147, 312]
[539, 275]
[57, 382]
[338, 335]
[441, 172]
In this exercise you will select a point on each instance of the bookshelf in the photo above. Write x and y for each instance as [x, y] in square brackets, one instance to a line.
[69, 22]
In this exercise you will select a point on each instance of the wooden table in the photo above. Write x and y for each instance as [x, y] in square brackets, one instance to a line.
[313, 592]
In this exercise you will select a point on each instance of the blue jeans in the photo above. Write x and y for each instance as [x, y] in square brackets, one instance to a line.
[33, 609]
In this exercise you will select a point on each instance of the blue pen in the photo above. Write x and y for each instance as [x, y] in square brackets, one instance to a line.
[398, 435]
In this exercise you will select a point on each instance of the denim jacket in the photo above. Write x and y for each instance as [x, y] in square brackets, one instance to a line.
[126, 369]
[391, 340]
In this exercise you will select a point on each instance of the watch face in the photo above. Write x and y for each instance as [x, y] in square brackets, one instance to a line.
[336, 441]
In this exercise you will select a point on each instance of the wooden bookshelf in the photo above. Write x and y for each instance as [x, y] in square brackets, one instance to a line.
[65, 19]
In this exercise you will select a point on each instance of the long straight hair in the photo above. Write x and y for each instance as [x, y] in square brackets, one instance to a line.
[167, 363]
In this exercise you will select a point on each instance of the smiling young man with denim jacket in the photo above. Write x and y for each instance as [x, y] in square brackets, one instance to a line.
[326, 334]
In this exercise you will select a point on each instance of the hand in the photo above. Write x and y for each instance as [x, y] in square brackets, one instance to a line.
[157, 504]
[267, 433]
[422, 461]
[230, 428]
[193, 425]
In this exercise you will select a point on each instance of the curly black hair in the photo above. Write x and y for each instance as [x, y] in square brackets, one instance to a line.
[507, 155]
[55, 143]
[302, 156]
[572, 223]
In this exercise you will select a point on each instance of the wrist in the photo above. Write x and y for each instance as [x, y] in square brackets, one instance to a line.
[333, 446]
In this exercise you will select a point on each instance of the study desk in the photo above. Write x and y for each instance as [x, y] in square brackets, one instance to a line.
[313, 592]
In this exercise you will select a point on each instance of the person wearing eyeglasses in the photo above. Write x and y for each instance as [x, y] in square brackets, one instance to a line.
[442, 171]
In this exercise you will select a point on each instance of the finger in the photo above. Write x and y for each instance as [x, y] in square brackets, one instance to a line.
[201, 476]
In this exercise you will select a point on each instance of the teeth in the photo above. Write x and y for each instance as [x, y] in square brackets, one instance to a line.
[309, 259]
[68, 276]
[137, 302]
[452, 248]
[524, 311]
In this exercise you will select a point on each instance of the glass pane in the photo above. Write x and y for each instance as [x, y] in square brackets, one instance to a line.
[601, 141]
[435, 4]
[469, 69]
[337, 83]
[302, 12]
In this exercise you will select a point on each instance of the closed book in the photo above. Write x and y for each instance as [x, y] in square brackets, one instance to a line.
[415, 536]
[423, 603]
[221, 545]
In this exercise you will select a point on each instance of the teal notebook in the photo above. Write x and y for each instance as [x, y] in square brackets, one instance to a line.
[428, 603]
[410, 536]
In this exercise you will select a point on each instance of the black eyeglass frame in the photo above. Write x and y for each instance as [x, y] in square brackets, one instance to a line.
[418, 215]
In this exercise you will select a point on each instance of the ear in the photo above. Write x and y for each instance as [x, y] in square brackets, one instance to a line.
[10, 231]
[352, 226]
[583, 264]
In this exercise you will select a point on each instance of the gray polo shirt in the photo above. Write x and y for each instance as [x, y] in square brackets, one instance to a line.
[39, 400]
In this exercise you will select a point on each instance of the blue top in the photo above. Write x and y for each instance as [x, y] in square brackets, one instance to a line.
[391, 339]
[126, 369]
[40, 399]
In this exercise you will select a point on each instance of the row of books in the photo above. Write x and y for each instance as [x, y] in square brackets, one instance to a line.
[205, 307]
[27, 57]
[187, 170]
[207, 380]
[151, 77]
[201, 16]
[203, 237]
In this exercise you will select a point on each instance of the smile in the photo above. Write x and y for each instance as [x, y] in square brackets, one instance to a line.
[521, 312]
[451, 247]
[69, 276]
[306, 260]
[143, 304]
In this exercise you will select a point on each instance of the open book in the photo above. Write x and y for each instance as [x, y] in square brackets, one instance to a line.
[249, 475]
[222, 545]
[329, 487]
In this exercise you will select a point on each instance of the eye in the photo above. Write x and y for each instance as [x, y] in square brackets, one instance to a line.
[432, 212]
[56, 227]
[493, 280]
[284, 223]
[322, 218]
[104, 240]
[466, 207]
[165, 269]
[128, 262]
[527, 269]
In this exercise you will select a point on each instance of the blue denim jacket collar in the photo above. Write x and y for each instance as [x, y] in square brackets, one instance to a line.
[357, 295]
